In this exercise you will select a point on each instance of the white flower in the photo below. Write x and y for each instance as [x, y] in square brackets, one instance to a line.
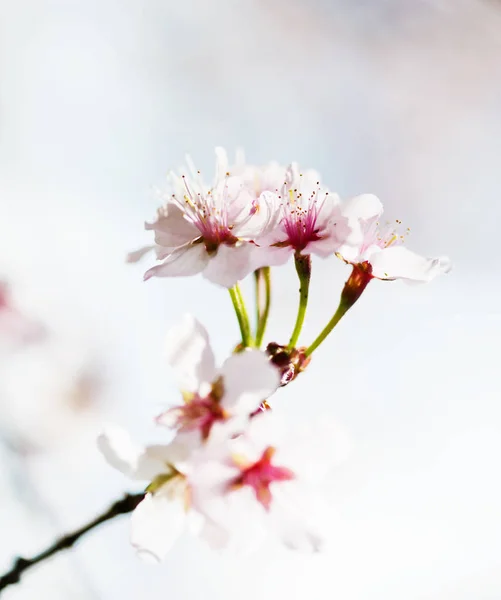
[214, 395]
[208, 229]
[308, 220]
[165, 512]
[381, 249]
[265, 480]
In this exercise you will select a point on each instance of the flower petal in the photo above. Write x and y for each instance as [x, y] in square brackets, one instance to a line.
[158, 521]
[300, 517]
[137, 255]
[263, 219]
[171, 228]
[131, 459]
[184, 261]
[399, 263]
[359, 211]
[248, 379]
[190, 355]
[229, 265]
[364, 207]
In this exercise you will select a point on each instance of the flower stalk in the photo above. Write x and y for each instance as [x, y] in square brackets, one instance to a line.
[303, 269]
[242, 316]
[263, 280]
[353, 289]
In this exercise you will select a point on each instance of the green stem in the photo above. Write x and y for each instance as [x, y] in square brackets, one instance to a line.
[263, 275]
[303, 268]
[242, 316]
[338, 315]
[353, 288]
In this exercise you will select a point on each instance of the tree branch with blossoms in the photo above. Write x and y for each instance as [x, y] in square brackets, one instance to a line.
[233, 472]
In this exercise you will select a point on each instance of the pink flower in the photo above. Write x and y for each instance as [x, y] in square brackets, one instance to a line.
[266, 480]
[208, 229]
[308, 220]
[214, 395]
[380, 252]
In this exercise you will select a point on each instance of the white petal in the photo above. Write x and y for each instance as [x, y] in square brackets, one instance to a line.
[300, 517]
[229, 265]
[264, 219]
[131, 459]
[270, 256]
[248, 379]
[157, 523]
[221, 163]
[137, 255]
[359, 211]
[172, 229]
[363, 207]
[184, 261]
[190, 355]
[399, 263]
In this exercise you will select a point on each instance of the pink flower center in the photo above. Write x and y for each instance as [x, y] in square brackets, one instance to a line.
[300, 217]
[198, 413]
[208, 211]
[260, 475]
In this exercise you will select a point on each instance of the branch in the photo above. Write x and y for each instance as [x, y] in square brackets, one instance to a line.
[120, 507]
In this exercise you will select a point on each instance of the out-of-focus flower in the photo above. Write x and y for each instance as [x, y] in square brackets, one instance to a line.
[266, 480]
[381, 253]
[214, 395]
[16, 329]
[308, 220]
[207, 229]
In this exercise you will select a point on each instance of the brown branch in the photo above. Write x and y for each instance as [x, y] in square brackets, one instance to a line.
[120, 507]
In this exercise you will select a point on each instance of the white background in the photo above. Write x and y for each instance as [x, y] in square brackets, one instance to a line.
[98, 99]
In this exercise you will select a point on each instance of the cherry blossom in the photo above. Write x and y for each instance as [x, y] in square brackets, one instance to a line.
[166, 511]
[214, 395]
[267, 480]
[308, 220]
[208, 229]
[381, 253]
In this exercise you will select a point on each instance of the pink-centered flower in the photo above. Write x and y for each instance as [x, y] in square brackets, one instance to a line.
[208, 228]
[380, 252]
[266, 480]
[213, 395]
[308, 220]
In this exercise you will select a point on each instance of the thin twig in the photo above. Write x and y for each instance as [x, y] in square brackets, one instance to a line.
[121, 507]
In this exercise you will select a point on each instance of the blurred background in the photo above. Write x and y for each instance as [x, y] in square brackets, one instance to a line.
[402, 98]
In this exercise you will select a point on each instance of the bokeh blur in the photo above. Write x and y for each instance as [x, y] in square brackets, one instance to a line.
[402, 98]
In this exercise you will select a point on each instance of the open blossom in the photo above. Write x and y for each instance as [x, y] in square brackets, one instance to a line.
[166, 511]
[381, 252]
[308, 220]
[213, 395]
[266, 480]
[208, 229]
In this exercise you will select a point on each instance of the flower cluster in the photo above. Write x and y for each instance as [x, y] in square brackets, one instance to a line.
[252, 217]
[232, 473]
